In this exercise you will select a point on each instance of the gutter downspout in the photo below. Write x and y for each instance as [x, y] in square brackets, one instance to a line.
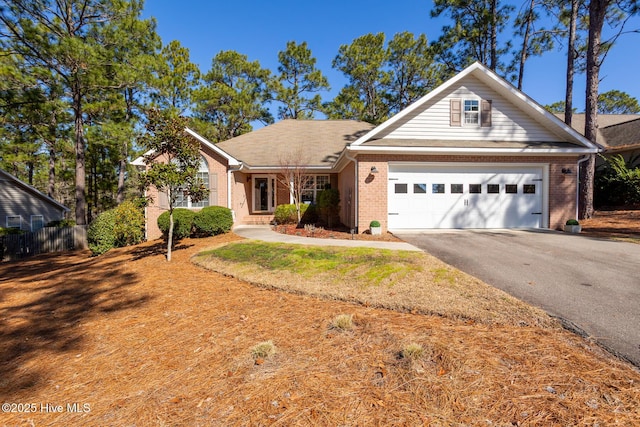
[355, 191]
[579, 186]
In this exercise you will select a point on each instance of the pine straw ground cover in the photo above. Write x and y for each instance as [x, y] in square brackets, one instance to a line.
[142, 342]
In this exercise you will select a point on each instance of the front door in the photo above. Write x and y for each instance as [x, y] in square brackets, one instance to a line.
[263, 193]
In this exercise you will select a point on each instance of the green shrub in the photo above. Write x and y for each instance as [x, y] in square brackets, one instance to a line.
[61, 223]
[129, 224]
[100, 234]
[329, 205]
[617, 183]
[374, 224]
[572, 222]
[286, 214]
[6, 231]
[182, 223]
[213, 220]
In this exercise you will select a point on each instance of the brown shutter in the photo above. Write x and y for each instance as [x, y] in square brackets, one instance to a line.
[455, 112]
[213, 189]
[485, 113]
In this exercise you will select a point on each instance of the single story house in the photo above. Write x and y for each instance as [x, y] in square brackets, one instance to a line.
[617, 134]
[25, 208]
[473, 153]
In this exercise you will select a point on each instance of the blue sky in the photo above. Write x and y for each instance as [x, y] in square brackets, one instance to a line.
[260, 29]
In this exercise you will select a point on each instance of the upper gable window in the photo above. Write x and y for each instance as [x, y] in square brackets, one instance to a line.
[471, 111]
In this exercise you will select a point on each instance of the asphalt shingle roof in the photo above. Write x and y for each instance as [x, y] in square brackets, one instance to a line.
[319, 142]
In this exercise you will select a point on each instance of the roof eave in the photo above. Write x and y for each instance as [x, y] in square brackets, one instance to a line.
[35, 191]
[474, 151]
[230, 159]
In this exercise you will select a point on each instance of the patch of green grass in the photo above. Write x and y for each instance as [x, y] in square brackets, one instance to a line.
[374, 266]
[443, 275]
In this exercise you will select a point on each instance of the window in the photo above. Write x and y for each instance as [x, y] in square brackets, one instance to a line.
[14, 221]
[529, 189]
[183, 201]
[511, 188]
[419, 188]
[457, 188]
[401, 188]
[471, 111]
[475, 188]
[493, 188]
[315, 184]
[437, 188]
[37, 222]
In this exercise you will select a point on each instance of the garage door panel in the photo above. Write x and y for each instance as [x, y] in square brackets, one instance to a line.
[454, 197]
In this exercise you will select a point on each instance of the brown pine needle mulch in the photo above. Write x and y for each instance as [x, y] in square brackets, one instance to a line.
[133, 340]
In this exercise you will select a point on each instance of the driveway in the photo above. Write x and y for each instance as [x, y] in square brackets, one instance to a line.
[591, 284]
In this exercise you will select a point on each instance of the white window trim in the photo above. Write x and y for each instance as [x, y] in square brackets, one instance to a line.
[478, 112]
[204, 168]
[37, 216]
[19, 217]
[315, 188]
[272, 188]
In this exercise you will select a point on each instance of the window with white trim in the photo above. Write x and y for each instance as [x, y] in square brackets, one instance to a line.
[202, 176]
[315, 184]
[37, 222]
[471, 112]
[14, 221]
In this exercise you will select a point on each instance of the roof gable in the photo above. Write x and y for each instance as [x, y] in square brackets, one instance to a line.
[516, 118]
[232, 161]
[31, 190]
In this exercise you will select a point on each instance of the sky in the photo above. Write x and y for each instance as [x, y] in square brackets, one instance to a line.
[260, 29]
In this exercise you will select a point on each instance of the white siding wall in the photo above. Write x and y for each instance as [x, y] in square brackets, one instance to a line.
[509, 123]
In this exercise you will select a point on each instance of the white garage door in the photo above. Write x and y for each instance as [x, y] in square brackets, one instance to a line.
[422, 196]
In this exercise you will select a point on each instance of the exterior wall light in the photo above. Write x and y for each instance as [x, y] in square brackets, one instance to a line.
[374, 169]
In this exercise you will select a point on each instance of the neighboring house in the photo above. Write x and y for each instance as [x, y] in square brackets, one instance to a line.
[617, 134]
[473, 153]
[24, 207]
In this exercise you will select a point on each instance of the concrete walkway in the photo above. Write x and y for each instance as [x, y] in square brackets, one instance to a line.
[266, 234]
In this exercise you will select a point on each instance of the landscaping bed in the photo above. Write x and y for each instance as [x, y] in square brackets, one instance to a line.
[135, 340]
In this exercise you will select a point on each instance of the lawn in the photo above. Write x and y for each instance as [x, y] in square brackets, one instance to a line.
[134, 340]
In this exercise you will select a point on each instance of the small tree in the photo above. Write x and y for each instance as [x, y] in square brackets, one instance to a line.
[294, 175]
[172, 163]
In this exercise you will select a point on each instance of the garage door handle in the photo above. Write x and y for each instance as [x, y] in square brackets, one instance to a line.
[536, 213]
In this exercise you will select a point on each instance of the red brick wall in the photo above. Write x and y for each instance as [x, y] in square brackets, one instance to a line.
[373, 187]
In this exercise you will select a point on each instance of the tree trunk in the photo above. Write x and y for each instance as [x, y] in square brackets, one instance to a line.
[494, 35]
[597, 11]
[51, 186]
[80, 155]
[122, 168]
[170, 236]
[525, 44]
[571, 59]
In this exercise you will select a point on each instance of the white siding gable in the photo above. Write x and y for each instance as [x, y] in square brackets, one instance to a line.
[432, 120]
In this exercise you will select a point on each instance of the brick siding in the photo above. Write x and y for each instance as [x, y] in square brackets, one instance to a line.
[373, 188]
